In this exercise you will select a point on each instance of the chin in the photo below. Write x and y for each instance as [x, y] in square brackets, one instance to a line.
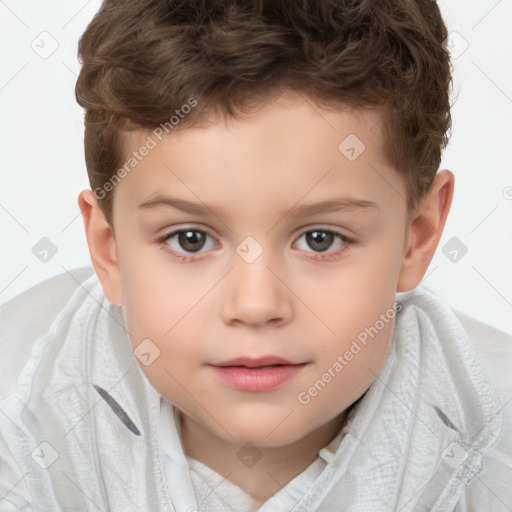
[264, 434]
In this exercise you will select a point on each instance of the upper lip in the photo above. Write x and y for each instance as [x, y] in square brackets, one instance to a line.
[254, 362]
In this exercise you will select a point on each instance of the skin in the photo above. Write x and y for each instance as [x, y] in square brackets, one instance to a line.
[288, 302]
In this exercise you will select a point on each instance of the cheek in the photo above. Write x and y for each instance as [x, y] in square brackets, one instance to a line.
[355, 297]
[158, 324]
[345, 376]
[164, 307]
[165, 317]
[360, 316]
[156, 297]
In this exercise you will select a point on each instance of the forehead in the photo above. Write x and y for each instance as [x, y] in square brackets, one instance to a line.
[289, 150]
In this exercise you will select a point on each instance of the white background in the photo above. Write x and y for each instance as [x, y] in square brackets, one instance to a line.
[42, 167]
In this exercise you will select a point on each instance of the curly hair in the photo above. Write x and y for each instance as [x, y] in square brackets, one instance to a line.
[143, 61]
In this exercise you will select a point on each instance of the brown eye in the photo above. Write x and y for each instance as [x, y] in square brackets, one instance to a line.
[183, 243]
[191, 240]
[319, 240]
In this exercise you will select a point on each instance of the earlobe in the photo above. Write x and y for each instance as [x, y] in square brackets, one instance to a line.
[425, 230]
[102, 247]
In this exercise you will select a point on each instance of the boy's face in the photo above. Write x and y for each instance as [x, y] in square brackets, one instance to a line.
[262, 280]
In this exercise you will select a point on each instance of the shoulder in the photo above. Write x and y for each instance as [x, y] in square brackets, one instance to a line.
[27, 317]
[489, 489]
[492, 346]
[494, 350]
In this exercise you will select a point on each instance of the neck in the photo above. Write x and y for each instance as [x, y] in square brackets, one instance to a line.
[275, 466]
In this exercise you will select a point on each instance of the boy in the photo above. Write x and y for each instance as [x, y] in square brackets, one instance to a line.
[260, 371]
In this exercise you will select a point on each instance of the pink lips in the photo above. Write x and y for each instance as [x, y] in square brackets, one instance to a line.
[257, 374]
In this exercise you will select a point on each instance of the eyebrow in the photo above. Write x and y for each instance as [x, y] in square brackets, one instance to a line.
[337, 204]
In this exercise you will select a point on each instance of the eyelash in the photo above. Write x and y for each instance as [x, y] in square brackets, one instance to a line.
[348, 242]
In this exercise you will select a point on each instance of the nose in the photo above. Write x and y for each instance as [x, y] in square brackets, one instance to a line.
[256, 294]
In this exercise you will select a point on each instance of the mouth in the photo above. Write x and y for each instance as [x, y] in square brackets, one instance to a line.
[256, 362]
[257, 374]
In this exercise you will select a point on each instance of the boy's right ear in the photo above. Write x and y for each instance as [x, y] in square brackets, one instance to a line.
[102, 247]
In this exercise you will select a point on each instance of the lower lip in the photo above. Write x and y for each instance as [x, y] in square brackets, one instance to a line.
[257, 379]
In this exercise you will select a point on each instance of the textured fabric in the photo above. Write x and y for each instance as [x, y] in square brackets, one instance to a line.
[432, 433]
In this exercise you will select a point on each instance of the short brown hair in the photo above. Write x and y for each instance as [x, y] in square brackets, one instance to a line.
[144, 60]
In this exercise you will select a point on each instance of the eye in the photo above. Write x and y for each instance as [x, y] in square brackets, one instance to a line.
[190, 240]
[320, 240]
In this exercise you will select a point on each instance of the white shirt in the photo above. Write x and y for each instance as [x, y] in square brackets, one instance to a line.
[433, 432]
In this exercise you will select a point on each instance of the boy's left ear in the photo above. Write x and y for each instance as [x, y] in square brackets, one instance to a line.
[424, 231]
